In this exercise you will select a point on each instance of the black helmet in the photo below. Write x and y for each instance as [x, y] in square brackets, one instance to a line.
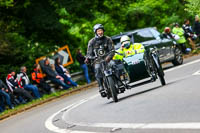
[98, 26]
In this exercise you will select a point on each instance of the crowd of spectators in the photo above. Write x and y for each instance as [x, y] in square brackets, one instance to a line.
[18, 88]
[184, 33]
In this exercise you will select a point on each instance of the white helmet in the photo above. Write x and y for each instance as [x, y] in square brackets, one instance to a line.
[125, 40]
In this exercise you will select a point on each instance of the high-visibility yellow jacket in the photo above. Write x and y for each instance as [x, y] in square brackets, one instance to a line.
[135, 48]
[180, 32]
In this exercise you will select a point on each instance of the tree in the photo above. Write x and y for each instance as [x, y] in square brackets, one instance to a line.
[192, 6]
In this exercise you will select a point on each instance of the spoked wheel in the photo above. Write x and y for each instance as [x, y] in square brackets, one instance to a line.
[159, 71]
[113, 89]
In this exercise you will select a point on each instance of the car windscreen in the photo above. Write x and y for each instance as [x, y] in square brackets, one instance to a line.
[143, 35]
[155, 33]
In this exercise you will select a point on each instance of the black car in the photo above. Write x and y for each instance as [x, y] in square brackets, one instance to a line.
[168, 49]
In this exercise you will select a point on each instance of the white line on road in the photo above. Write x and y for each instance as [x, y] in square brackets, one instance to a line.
[187, 125]
[50, 126]
[197, 73]
[187, 64]
[49, 122]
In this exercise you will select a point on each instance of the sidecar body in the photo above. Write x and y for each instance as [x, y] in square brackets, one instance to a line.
[136, 67]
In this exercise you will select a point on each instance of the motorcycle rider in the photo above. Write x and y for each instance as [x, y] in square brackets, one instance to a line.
[97, 47]
[127, 48]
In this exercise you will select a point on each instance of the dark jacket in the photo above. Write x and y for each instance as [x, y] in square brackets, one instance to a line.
[188, 30]
[196, 27]
[11, 82]
[168, 35]
[49, 71]
[95, 44]
[2, 85]
[80, 58]
[59, 70]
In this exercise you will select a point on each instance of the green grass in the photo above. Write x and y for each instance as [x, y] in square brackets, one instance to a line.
[35, 102]
[29, 104]
[43, 99]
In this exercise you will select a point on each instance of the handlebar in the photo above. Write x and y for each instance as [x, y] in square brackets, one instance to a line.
[96, 58]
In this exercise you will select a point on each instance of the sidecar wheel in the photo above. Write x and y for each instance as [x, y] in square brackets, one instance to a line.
[159, 70]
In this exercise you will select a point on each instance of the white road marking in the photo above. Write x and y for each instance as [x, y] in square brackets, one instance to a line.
[50, 126]
[187, 64]
[187, 125]
[197, 73]
[49, 122]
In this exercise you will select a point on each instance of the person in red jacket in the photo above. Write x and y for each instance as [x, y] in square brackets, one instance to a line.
[15, 89]
[38, 78]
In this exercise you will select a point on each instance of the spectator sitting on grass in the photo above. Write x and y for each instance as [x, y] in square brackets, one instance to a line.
[15, 89]
[24, 82]
[64, 73]
[5, 96]
[1, 106]
[37, 77]
[52, 75]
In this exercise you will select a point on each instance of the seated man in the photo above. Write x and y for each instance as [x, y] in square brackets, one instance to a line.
[15, 89]
[128, 49]
[38, 78]
[4, 95]
[52, 75]
[24, 82]
[1, 104]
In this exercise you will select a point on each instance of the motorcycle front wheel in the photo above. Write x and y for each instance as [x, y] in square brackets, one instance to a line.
[113, 89]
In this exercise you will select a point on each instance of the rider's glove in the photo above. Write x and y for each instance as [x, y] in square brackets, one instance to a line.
[108, 59]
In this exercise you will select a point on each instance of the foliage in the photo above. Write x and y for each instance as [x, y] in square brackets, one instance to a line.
[6, 3]
[192, 6]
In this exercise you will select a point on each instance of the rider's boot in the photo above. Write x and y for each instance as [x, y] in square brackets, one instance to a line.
[102, 91]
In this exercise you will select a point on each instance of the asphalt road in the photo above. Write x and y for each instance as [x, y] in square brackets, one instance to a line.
[150, 108]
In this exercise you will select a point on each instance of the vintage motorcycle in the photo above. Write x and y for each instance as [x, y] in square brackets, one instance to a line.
[118, 75]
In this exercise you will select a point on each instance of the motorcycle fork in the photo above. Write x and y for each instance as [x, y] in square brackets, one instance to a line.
[124, 85]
